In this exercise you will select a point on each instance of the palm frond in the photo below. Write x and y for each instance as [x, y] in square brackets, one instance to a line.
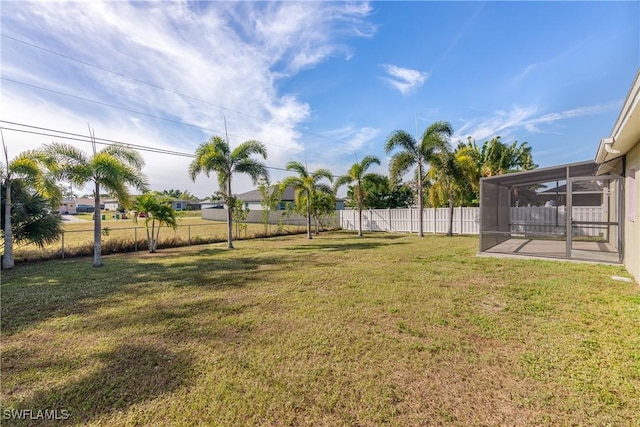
[400, 163]
[297, 167]
[125, 154]
[324, 188]
[248, 148]
[254, 168]
[66, 153]
[400, 139]
[209, 157]
[368, 161]
[342, 180]
[322, 173]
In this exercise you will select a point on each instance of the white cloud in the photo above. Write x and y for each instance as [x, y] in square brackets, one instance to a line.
[405, 80]
[355, 139]
[507, 123]
[229, 55]
[546, 63]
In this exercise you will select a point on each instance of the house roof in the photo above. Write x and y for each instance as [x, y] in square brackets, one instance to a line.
[86, 201]
[553, 173]
[255, 196]
[625, 133]
[590, 187]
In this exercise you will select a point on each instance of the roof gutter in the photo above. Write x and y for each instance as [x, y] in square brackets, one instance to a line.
[619, 143]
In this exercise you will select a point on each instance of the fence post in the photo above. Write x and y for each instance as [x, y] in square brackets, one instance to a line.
[435, 219]
[410, 219]
[63, 244]
[389, 213]
[461, 219]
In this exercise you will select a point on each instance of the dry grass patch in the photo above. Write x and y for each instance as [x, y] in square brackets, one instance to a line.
[120, 236]
[339, 330]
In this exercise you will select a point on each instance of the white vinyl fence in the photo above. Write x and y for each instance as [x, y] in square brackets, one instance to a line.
[549, 220]
[529, 220]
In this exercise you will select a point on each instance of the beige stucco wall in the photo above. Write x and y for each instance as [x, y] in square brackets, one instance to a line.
[632, 227]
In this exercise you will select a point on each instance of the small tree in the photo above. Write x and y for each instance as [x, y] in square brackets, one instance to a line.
[357, 175]
[155, 209]
[270, 197]
[306, 184]
[240, 213]
[323, 205]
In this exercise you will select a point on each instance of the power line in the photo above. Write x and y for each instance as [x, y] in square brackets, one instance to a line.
[102, 141]
[111, 141]
[168, 90]
[129, 110]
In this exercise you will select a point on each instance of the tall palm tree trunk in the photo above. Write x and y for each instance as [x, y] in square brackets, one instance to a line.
[149, 238]
[152, 241]
[97, 229]
[156, 234]
[420, 201]
[359, 213]
[309, 216]
[451, 202]
[7, 258]
[229, 215]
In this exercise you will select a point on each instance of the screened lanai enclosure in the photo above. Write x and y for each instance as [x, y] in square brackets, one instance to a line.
[565, 211]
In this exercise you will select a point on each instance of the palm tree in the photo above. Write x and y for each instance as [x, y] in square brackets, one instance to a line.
[448, 175]
[417, 153]
[155, 208]
[216, 156]
[494, 158]
[32, 218]
[306, 184]
[28, 168]
[113, 169]
[357, 174]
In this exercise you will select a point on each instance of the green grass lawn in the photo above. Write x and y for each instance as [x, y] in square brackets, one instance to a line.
[382, 330]
[120, 235]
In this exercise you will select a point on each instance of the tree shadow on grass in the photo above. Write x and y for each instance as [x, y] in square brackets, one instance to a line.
[37, 292]
[129, 374]
[343, 245]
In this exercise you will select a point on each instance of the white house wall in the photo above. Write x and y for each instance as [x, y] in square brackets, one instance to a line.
[632, 217]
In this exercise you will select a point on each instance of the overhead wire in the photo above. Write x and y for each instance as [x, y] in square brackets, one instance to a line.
[102, 141]
[116, 107]
[137, 80]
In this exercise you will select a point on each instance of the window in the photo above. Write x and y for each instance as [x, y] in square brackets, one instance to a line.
[631, 194]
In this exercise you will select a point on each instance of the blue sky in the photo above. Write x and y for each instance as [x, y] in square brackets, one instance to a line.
[323, 83]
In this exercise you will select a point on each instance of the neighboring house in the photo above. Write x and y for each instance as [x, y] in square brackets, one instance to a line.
[111, 205]
[211, 204]
[253, 199]
[620, 153]
[179, 205]
[186, 205]
[86, 205]
[587, 193]
[68, 207]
